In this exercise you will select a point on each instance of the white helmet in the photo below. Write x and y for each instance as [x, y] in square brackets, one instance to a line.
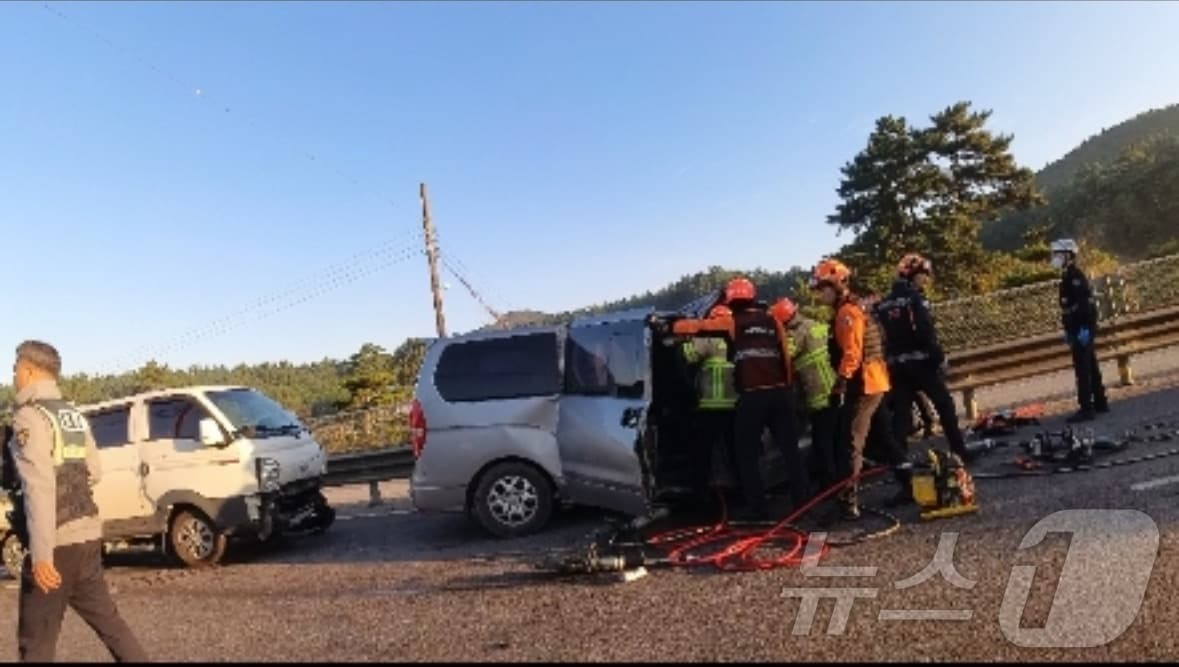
[1065, 245]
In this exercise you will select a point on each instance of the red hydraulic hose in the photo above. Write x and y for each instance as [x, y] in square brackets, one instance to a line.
[735, 548]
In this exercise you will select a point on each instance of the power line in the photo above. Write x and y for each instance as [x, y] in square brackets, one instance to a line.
[223, 325]
[202, 94]
[495, 315]
[327, 273]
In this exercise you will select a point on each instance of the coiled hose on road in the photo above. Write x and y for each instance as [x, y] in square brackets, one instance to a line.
[739, 548]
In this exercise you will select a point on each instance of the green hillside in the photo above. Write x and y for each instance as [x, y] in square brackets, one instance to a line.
[1116, 189]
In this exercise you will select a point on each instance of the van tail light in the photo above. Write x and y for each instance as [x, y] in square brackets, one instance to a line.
[417, 428]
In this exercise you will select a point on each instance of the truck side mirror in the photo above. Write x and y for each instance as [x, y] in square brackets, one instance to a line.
[211, 435]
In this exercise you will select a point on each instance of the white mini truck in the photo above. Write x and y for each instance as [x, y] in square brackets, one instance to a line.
[184, 470]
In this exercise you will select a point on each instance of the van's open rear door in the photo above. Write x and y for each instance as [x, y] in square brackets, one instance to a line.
[603, 411]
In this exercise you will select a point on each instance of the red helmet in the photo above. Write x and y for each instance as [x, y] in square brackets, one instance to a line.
[783, 310]
[720, 310]
[912, 264]
[830, 272]
[740, 289]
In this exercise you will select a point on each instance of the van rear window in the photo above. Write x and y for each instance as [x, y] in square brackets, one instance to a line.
[499, 368]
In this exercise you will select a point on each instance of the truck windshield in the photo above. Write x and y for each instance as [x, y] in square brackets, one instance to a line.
[254, 413]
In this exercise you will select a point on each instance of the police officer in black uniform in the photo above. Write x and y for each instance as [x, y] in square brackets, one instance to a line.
[916, 362]
[1079, 319]
[55, 457]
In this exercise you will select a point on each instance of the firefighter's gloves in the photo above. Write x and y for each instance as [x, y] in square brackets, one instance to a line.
[1084, 337]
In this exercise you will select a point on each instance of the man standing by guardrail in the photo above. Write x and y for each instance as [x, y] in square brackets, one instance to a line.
[1079, 319]
[916, 361]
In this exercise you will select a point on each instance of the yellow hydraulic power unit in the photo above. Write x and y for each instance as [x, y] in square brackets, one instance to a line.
[945, 488]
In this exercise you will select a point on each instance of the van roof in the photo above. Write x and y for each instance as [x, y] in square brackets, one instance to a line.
[158, 393]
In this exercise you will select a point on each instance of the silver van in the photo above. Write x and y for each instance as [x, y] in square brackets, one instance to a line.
[506, 425]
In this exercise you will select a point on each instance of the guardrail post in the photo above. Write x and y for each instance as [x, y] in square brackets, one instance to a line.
[374, 493]
[970, 404]
[1125, 371]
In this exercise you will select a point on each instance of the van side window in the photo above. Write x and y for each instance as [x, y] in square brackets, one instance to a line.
[110, 427]
[174, 419]
[499, 368]
[605, 360]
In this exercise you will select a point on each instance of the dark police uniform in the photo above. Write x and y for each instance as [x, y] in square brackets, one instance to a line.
[1078, 311]
[915, 358]
[55, 457]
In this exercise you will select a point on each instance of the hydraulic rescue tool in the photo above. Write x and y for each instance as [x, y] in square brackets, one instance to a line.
[943, 487]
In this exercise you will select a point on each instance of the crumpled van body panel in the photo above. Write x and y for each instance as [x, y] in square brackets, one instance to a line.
[473, 420]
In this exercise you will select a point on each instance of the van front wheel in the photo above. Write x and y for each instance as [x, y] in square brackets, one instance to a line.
[194, 540]
[513, 499]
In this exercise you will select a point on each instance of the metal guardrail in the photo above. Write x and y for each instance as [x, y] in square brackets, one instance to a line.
[371, 467]
[1119, 339]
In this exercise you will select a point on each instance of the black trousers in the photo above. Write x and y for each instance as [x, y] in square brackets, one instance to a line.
[1090, 388]
[756, 411]
[712, 427]
[922, 376]
[83, 588]
[824, 457]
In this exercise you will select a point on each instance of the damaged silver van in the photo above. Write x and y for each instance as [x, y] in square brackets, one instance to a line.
[508, 425]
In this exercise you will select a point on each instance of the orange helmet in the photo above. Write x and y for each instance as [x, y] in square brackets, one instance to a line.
[720, 310]
[783, 309]
[740, 289]
[830, 272]
[912, 264]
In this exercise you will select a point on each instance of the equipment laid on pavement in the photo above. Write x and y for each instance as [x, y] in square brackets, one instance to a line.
[944, 488]
[1007, 422]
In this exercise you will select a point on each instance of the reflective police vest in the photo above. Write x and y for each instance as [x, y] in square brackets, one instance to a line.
[714, 380]
[74, 497]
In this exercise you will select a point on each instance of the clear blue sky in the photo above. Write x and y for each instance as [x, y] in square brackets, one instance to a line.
[574, 152]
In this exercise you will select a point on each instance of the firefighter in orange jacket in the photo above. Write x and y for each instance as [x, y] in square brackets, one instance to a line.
[765, 393]
[861, 382]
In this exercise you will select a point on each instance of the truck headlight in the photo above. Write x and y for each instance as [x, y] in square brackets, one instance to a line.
[268, 474]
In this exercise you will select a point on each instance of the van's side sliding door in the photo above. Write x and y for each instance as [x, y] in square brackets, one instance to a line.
[602, 413]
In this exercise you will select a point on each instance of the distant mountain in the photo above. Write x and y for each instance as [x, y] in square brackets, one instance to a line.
[1106, 146]
[1117, 189]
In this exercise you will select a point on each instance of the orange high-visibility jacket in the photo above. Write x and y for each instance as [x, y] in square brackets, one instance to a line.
[861, 350]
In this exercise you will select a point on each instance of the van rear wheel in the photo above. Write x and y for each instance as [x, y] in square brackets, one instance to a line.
[513, 499]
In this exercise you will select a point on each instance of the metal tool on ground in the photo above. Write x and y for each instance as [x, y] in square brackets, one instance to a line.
[1007, 422]
[943, 487]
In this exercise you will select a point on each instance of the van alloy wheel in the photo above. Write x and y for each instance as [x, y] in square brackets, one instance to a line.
[513, 500]
[194, 540]
[13, 555]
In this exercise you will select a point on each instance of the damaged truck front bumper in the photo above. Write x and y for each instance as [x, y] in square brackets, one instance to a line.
[296, 508]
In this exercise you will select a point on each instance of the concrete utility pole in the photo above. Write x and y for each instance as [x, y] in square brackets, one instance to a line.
[432, 258]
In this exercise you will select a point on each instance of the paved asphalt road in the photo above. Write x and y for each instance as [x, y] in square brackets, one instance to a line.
[386, 584]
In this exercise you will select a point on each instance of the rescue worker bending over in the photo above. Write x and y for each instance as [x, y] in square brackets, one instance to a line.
[812, 367]
[716, 399]
[765, 396]
[57, 462]
[916, 361]
[861, 380]
[1078, 315]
